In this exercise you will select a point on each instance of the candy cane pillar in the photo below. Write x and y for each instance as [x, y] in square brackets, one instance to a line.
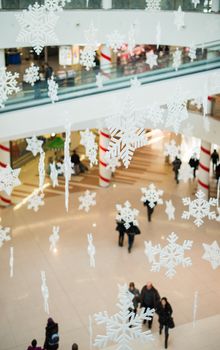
[104, 173]
[5, 158]
[105, 61]
[204, 165]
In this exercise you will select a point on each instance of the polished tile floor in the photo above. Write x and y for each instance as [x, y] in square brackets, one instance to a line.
[76, 290]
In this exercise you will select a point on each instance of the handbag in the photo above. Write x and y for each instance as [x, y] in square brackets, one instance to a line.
[171, 323]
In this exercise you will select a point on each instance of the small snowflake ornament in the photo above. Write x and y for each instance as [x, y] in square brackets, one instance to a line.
[151, 59]
[31, 74]
[153, 5]
[212, 254]
[9, 179]
[34, 145]
[169, 256]
[115, 41]
[87, 57]
[35, 201]
[54, 238]
[88, 141]
[125, 325]
[37, 27]
[172, 150]
[179, 18]
[91, 250]
[87, 200]
[199, 208]
[177, 59]
[8, 85]
[54, 174]
[186, 173]
[127, 214]
[4, 235]
[52, 89]
[152, 195]
[170, 210]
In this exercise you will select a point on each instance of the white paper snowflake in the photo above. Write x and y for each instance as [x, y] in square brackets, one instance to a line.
[127, 132]
[155, 114]
[91, 250]
[52, 89]
[4, 235]
[127, 214]
[87, 200]
[11, 262]
[9, 179]
[88, 141]
[34, 145]
[172, 150]
[100, 80]
[44, 291]
[87, 57]
[124, 326]
[115, 40]
[152, 5]
[41, 171]
[177, 58]
[54, 174]
[152, 194]
[212, 254]
[195, 2]
[151, 59]
[192, 53]
[8, 85]
[169, 256]
[158, 34]
[179, 20]
[35, 201]
[112, 163]
[199, 208]
[54, 238]
[31, 74]
[135, 83]
[170, 210]
[176, 111]
[186, 173]
[37, 27]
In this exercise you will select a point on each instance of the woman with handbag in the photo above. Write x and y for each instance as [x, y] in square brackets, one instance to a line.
[164, 311]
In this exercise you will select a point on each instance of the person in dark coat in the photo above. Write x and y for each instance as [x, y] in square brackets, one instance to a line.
[164, 311]
[34, 346]
[131, 232]
[52, 336]
[48, 71]
[136, 293]
[215, 159]
[149, 209]
[194, 163]
[217, 172]
[75, 346]
[150, 298]
[176, 167]
[121, 230]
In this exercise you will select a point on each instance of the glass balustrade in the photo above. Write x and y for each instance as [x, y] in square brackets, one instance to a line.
[83, 83]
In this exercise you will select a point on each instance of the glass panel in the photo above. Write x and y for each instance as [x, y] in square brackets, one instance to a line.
[82, 4]
[10, 4]
[128, 4]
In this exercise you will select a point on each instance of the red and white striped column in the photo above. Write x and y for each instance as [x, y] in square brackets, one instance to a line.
[204, 165]
[105, 61]
[5, 159]
[104, 173]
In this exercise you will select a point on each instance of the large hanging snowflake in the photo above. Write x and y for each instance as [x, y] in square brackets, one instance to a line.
[87, 200]
[172, 150]
[35, 201]
[91, 250]
[126, 214]
[34, 145]
[179, 20]
[87, 57]
[153, 5]
[9, 179]
[4, 235]
[176, 111]
[31, 74]
[115, 40]
[186, 173]
[124, 326]
[212, 254]
[199, 208]
[54, 174]
[169, 256]
[52, 89]
[88, 141]
[127, 133]
[177, 58]
[155, 114]
[37, 27]
[8, 85]
[151, 59]
[152, 195]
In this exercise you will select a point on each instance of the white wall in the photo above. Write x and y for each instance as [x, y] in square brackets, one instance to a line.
[91, 111]
[199, 27]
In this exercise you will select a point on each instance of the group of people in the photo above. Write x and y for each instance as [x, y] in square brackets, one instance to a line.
[51, 338]
[149, 298]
